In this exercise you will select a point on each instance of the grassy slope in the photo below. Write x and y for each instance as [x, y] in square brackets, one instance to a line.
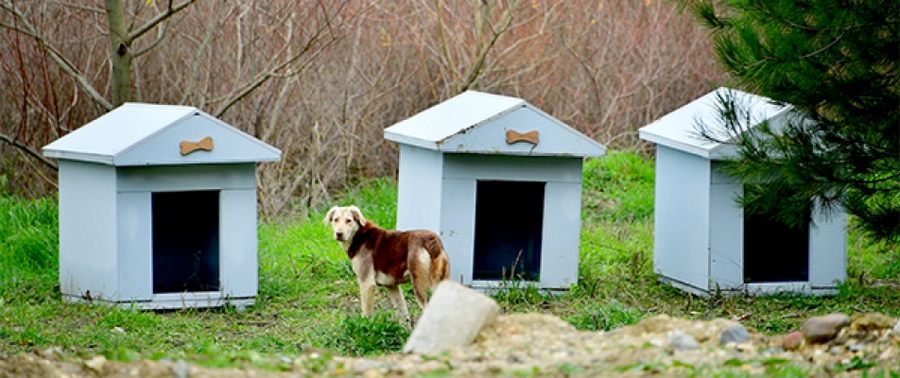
[308, 294]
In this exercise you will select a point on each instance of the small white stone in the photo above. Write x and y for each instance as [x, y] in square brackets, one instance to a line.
[96, 363]
[52, 353]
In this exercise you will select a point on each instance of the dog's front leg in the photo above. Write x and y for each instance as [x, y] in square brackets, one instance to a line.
[366, 297]
[399, 302]
[365, 276]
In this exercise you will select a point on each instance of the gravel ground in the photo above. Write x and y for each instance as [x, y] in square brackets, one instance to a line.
[544, 345]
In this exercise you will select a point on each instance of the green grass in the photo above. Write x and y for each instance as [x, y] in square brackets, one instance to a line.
[308, 296]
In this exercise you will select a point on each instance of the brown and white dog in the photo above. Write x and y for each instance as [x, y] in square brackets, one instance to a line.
[388, 258]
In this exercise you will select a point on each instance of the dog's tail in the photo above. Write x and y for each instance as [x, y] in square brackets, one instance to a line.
[440, 264]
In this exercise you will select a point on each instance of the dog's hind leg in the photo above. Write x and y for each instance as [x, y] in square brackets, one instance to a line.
[399, 302]
[419, 263]
[419, 289]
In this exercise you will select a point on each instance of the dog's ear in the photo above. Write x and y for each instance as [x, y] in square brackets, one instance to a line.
[330, 214]
[357, 215]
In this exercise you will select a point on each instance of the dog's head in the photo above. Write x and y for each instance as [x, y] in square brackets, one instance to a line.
[345, 221]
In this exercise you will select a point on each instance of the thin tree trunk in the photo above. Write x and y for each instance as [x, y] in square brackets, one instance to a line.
[121, 57]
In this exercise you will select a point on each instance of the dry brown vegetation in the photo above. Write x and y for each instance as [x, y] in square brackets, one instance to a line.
[321, 79]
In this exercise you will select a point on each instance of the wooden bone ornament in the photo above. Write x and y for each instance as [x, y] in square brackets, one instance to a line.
[513, 136]
[187, 146]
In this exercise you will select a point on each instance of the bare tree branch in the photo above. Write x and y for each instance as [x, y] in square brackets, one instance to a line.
[170, 11]
[86, 8]
[264, 76]
[159, 37]
[485, 48]
[29, 151]
[57, 57]
[213, 24]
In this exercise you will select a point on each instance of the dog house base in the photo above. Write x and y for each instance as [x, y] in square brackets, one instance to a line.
[171, 301]
[492, 287]
[803, 288]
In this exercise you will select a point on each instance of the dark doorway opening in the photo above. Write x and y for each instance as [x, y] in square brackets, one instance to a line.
[509, 217]
[185, 241]
[775, 251]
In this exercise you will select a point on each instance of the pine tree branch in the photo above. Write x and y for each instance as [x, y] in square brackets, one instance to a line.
[826, 47]
[55, 55]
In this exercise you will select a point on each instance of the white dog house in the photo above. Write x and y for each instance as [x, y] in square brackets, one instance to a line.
[157, 209]
[703, 241]
[500, 180]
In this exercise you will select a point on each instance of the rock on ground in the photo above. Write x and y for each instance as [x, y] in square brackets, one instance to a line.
[453, 318]
[820, 329]
[679, 340]
[734, 333]
[792, 341]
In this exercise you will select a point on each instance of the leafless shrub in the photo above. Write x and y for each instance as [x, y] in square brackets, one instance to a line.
[321, 80]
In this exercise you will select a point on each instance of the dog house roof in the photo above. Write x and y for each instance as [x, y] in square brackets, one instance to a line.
[483, 123]
[680, 129]
[151, 134]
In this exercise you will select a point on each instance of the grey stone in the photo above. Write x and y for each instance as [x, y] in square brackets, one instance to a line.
[181, 369]
[772, 351]
[734, 333]
[452, 318]
[897, 327]
[820, 329]
[679, 340]
[855, 347]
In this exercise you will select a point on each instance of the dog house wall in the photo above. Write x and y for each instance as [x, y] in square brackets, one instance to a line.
[446, 150]
[105, 203]
[438, 192]
[561, 208]
[698, 225]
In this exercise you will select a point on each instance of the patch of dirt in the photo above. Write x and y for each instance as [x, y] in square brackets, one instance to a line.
[544, 345]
